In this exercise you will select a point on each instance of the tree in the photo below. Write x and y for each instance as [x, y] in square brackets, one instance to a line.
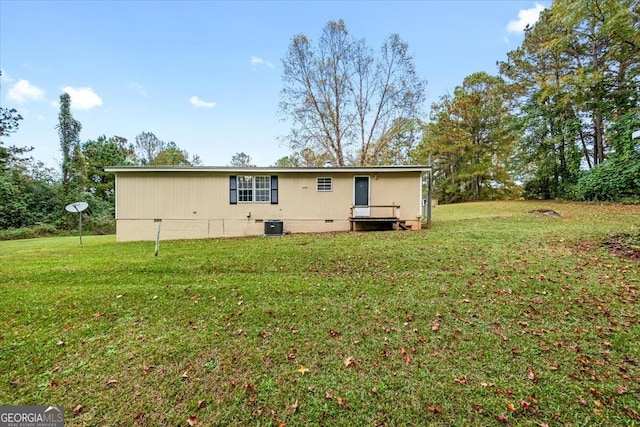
[73, 173]
[28, 195]
[9, 122]
[147, 147]
[576, 73]
[343, 100]
[9, 119]
[305, 158]
[241, 160]
[618, 178]
[103, 151]
[471, 138]
[603, 39]
[172, 155]
[27, 188]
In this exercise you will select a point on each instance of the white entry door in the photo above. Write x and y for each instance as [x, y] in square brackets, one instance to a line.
[361, 196]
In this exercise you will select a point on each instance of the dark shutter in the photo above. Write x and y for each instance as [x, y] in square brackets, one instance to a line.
[233, 190]
[274, 189]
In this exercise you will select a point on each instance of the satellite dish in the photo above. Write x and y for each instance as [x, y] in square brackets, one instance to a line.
[76, 207]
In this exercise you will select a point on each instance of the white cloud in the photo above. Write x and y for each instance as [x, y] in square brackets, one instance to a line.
[525, 17]
[4, 77]
[23, 91]
[83, 98]
[255, 60]
[194, 100]
[139, 88]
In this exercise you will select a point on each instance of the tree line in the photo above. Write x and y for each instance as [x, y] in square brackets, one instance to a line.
[555, 121]
[32, 194]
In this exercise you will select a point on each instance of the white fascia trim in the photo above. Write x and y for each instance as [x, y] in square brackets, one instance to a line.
[267, 170]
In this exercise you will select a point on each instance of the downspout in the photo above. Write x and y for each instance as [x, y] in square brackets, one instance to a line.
[429, 190]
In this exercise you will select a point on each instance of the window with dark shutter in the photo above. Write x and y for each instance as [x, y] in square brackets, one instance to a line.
[233, 190]
[274, 189]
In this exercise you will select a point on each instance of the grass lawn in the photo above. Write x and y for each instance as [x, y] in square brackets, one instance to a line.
[494, 316]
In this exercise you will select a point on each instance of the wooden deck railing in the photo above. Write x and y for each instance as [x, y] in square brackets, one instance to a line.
[395, 210]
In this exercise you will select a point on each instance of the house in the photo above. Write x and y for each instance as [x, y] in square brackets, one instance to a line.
[201, 202]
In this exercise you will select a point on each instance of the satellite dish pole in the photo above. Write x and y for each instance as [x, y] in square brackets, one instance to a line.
[77, 207]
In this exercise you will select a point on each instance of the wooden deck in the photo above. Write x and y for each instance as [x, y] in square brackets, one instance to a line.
[377, 222]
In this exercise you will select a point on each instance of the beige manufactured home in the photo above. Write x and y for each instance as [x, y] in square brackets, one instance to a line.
[204, 202]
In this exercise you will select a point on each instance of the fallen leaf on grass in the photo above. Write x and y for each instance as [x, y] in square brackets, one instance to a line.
[302, 369]
[407, 359]
[461, 380]
[477, 408]
[435, 325]
[112, 381]
[202, 403]
[622, 390]
[343, 403]
[61, 342]
[532, 374]
[295, 405]
[502, 419]
[525, 405]
[77, 409]
[349, 362]
[192, 420]
[511, 407]
[436, 410]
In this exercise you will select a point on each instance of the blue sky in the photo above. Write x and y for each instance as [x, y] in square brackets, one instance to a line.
[207, 74]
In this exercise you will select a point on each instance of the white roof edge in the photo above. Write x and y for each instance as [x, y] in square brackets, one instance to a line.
[253, 170]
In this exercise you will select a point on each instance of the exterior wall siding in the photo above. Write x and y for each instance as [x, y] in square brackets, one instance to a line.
[195, 204]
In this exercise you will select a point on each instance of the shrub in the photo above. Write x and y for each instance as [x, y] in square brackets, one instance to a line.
[614, 181]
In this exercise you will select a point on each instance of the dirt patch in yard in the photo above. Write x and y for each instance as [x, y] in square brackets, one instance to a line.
[547, 212]
[624, 245]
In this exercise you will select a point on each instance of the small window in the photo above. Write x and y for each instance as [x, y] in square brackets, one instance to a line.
[325, 184]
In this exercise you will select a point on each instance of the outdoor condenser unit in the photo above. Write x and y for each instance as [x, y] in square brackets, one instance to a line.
[273, 227]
